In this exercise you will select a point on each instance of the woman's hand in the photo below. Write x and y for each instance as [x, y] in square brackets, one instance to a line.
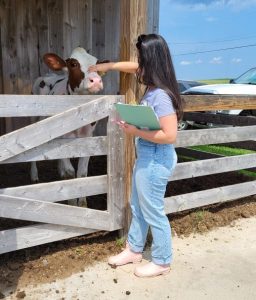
[127, 128]
[122, 66]
[100, 67]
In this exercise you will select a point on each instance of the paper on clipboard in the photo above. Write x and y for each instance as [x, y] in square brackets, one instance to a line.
[138, 115]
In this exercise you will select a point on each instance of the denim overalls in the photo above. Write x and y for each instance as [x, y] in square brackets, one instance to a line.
[153, 166]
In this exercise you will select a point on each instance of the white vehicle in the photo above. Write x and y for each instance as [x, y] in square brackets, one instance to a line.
[243, 85]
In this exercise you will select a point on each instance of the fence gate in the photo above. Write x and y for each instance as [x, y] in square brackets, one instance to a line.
[40, 141]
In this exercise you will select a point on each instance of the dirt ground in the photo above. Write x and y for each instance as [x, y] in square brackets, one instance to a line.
[47, 263]
[224, 257]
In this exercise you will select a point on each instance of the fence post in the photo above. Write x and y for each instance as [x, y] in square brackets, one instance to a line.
[116, 172]
[130, 11]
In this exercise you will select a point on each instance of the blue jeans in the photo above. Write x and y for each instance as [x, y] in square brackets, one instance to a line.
[153, 166]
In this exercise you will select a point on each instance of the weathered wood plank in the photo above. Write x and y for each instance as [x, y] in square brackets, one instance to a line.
[71, 21]
[218, 102]
[111, 51]
[116, 174]
[63, 148]
[213, 166]
[201, 155]
[39, 211]
[43, 31]
[87, 37]
[216, 195]
[9, 19]
[98, 28]
[26, 43]
[196, 154]
[36, 134]
[56, 37]
[153, 16]
[215, 136]
[42, 105]
[129, 31]
[1, 72]
[29, 236]
[220, 119]
[60, 190]
[39, 105]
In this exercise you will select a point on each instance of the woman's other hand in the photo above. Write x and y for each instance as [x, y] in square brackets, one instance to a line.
[128, 128]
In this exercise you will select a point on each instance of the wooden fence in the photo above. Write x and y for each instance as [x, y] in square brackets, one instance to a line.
[40, 141]
[36, 142]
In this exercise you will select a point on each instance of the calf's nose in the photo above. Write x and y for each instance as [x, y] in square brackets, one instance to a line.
[95, 80]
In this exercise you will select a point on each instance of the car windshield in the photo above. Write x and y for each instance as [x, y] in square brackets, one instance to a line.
[248, 77]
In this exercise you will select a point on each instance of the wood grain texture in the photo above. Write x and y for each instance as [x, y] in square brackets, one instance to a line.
[29, 236]
[207, 197]
[46, 212]
[61, 190]
[130, 30]
[218, 102]
[36, 134]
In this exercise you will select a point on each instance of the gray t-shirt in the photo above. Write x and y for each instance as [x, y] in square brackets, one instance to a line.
[160, 101]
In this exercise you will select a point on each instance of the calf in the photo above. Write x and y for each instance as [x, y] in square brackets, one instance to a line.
[74, 80]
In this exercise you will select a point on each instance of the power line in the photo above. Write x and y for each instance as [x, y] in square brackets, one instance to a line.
[216, 50]
[212, 42]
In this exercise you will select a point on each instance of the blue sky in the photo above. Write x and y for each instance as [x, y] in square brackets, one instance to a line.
[198, 26]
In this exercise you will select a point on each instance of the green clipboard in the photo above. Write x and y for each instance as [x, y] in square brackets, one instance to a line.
[140, 116]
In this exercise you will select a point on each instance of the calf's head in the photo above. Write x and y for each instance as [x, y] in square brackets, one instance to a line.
[80, 80]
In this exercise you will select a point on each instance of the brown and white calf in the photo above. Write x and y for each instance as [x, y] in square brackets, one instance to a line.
[74, 80]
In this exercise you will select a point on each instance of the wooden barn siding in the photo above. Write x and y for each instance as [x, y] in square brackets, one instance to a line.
[153, 16]
[30, 28]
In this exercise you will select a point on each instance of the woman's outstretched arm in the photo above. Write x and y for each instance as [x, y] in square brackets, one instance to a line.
[122, 66]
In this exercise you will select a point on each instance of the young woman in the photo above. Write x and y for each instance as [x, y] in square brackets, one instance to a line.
[156, 156]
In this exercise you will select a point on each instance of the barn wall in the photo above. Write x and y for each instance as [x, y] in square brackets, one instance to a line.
[31, 28]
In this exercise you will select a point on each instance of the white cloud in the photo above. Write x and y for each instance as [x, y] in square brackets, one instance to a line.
[211, 19]
[200, 5]
[216, 60]
[239, 5]
[236, 60]
[188, 62]
[185, 62]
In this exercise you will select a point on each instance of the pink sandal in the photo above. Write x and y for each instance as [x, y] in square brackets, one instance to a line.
[125, 257]
[151, 270]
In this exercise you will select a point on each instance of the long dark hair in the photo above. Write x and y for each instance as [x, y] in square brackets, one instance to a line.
[156, 68]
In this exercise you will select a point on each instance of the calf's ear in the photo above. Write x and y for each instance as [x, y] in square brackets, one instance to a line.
[54, 62]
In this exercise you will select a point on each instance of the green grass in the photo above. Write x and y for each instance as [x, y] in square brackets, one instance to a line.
[215, 81]
[225, 151]
[199, 215]
[183, 157]
[120, 242]
[222, 150]
[247, 173]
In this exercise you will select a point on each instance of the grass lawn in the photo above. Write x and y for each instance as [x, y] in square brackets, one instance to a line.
[215, 81]
[225, 151]
[222, 150]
